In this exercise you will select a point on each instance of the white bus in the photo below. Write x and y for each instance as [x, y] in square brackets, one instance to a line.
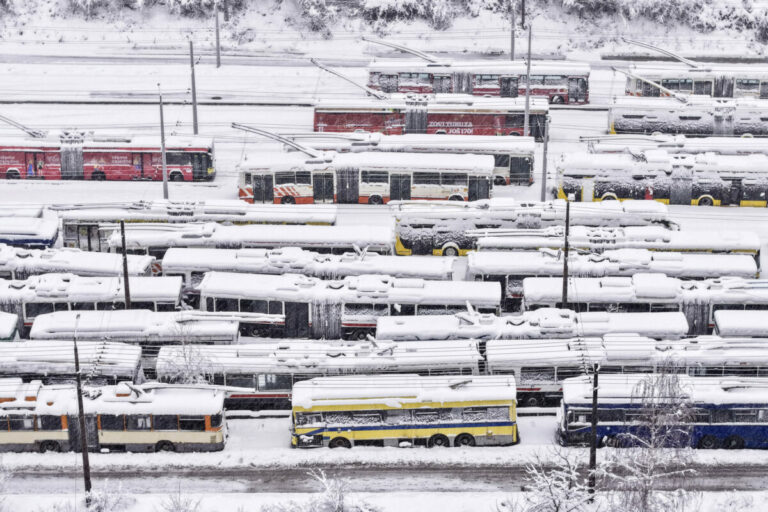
[33, 228]
[746, 323]
[717, 80]
[542, 323]
[441, 228]
[47, 293]
[510, 268]
[88, 226]
[53, 361]
[126, 417]
[9, 326]
[17, 263]
[363, 178]
[266, 372]
[513, 157]
[675, 144]
[345, 308]
[699, 300]
[192, 264]
[156, 239]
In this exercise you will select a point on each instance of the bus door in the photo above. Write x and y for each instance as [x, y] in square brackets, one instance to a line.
[508, 86]
[322, 187]
[389, 83]
[577, 90]
[441, 84]
[764, 90]
[521, 169]
[587, 190]
[735, 193]
[681, 190]
[348, 186]
[462, 83]
[479, 188]
[263, 188]
[703, 87]
[723, 87]
[91, 433]
[296, 320]
[150, 171]
[399, 187]
[88, 237]
[416, 117]
[723, 121]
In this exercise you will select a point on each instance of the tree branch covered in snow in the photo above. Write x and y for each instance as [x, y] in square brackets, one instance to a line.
[332, 498]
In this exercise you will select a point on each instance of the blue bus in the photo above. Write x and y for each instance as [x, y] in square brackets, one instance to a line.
[723, 412]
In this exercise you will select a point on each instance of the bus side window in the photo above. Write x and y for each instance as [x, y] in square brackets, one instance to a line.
[271, 382]
[253, 306]
[19, 422]
[241, 381]
[33, 309]
[166, 422]
[83, 306]
[474, 414]
[165, 306]
[114, 422]
[397, 417]
[224, 304]
[49, 422]
[139, 422]
[275, 307]
[195, 423]
[143, 305]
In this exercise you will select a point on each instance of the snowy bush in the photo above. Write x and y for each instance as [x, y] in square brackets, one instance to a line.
[332, 498]
[107, 499]
[178, 502]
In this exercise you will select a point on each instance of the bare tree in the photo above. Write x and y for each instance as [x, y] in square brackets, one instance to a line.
[190, 366]
[332, 498]
[179, 502]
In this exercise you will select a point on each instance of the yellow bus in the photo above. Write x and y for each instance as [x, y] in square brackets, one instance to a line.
[126, 417]
[404, 410]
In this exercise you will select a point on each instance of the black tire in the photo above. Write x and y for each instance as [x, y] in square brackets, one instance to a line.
[464, 440]
[705, 201]
[709, 443]
[438, 441]
[49, 446]
[609, 198]
[450, 251]
[499, 181]
[733, 443]
[557, 100]
[177, 176]
[375, 200]
[514, 134]
[339, 442]
[12, 175]
[288, 200]
[612, 442]
[98, 176]
[455, 198]
[165, 446]
[359, 334]
[532, 401]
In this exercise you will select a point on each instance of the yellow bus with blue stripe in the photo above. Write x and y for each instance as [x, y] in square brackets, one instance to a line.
[404, 410]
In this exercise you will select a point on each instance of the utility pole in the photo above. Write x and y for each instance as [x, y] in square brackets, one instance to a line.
[194, 89]
[81, 418]
[162, 146]
[544, 159]
[526, 125]
[125, 268]
[565, 254]
[522, 14]
[218, 41]
[593, 435]
[512, 35]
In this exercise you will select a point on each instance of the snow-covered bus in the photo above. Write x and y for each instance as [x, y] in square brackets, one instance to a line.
[699, 300]
[192, 264]
[543, 323]
[156, 239]
[717, 80]
[725, 412]
[53, 361]
[702, 116]
[404, 410]
[676, 144]
[131, 417]
[705, 179]
[47, 293]
[442, 229]
[363, 178]
[18, 263]
[597, 240]
[741, 322]
[89, 226]
[449, 114]
[265, 373]
[346, 308]
[557, 81]
[510, 268]
[513, 156]
[32, 228]
[9, 326]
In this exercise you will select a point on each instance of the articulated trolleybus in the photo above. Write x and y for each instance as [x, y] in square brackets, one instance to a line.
[77, 158]
[126, 417]
[558, 81]
[364, 178]
[440, 114]
[404, 410]
[725, 412]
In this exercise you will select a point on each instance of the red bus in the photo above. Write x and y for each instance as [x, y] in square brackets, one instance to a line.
[441, 114]
[75, 158]
[558, 81]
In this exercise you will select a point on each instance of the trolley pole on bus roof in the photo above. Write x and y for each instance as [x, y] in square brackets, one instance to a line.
[162, 146]
[194, 89]
[125, 267]
[565, 253]
[218, 41]
[527, 119]
[593, 435]
[544, 159]
[81, 420]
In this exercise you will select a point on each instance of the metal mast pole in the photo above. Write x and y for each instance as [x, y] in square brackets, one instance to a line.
[218, 41]
[544, 160]
[162, 146]
[194, 89]
[526, 125]
[593, 434]
[125, 268]
[512, 35]
[81, 418]
[565, 254]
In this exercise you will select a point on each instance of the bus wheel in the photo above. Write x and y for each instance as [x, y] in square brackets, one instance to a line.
[499, 181]
[288, 200]
[705, 201]
[177, 176]
[438, 440]
[375, 200]
[532, 401]
[455, 198]
[339, 442]
[464, 440]
[611, 442]
[557, 99]
[450, 250]
[49, 446]
[609, 197]
[12, 175]
[359, 334]
[165, 446]
[733, 443]
[98, 176]
[709, 443]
